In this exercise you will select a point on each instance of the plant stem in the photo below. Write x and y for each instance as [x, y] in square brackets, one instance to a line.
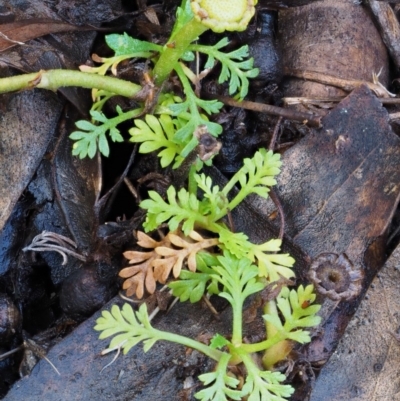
[280, 350]
[240, 196]
[263, 345]
[55, 79]
[237, 311]
[175, 49]
[191, 99]
[192, 183]
[188, 342]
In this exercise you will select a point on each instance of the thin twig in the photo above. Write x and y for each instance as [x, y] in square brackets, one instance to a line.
[230, 221]
[154, 313]
[275, 134]
[173, 303]
[319, 101]
[345, 84]
[272, 192]
[278, 204]
[125, 298]
[52, 365]
[210, 306]
[310, 119]
[39, 351]
[389, 27]
[394, 116]
[16, 42]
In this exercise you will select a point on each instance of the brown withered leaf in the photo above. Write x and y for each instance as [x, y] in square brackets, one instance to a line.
[141, 273]
[15, 33]
[173, 258]
[156, 265]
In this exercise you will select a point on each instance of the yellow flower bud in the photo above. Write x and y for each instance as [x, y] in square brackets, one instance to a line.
[224, 15]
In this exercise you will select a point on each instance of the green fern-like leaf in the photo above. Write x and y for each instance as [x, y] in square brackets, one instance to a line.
[191, 119]
[238, 278]
[236, 67]
[257, 174]
[193, 285]
[266, 386]
[271, 264]
[297, 313]
[92, 136]
[236, 243]
[126, 45]
[221, 386]
[128, 327]
[189, 112]
[215, 204]
[156, 134]
[181, 207]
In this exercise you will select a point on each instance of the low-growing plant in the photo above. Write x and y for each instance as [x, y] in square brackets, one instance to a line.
[200, 250]
[237, 270]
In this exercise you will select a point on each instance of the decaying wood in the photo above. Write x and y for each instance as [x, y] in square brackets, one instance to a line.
[339, 188]
[321, 100]
[277, 4]
[19, 32]
[365, 366]
[389, 26]
[321, 37]
[27, 125]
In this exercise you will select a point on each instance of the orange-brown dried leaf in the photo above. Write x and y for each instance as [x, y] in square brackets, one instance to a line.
[146, 241]
[134, 286]
[156, 266]
[136, 256]
[138, 275]
[176, 257]
[162, 269]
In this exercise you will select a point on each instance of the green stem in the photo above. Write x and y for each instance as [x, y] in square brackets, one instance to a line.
[188, 342]
[239, 355]
[270, 308]
[263, 345]
[175, 49]
[187, 89]
[280, 350]
[192, 183]
[55, 79]
[237, 311]
[242, 193]
[193, 109]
